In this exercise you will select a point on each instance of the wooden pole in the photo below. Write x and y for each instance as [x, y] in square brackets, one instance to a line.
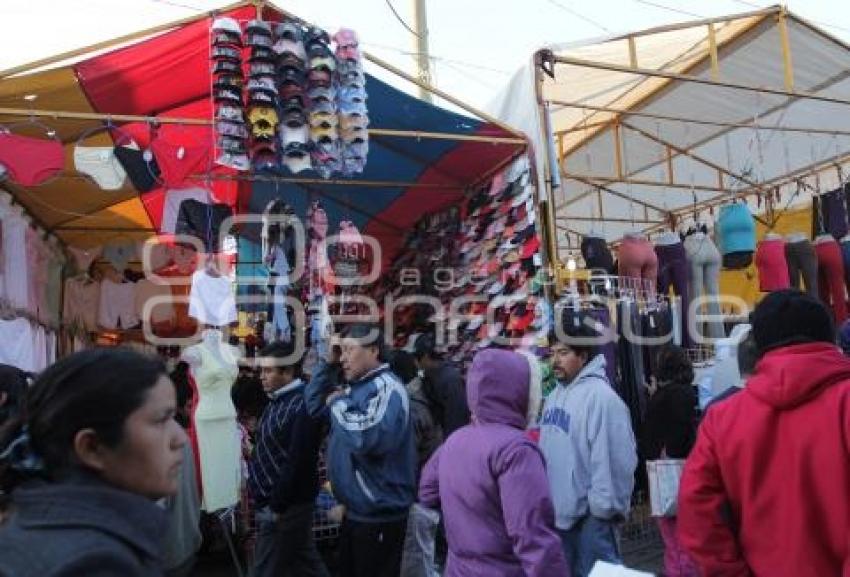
[569, 217]
[787, 65]
[712, 52]
[589, 180]
[593, 179]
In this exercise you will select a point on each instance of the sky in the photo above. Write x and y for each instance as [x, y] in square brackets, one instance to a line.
[475, 44]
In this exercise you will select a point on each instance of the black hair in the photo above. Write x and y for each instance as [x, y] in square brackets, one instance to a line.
[13, 384]
[370, 336]
[748, 355]
[577, 333]
[673, 366]
[425, 344]
[403, 364]
[182, 391]
[283, 350]
[94, 389]
[248, 396]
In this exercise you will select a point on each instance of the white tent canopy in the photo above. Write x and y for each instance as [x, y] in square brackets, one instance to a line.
[668, 122]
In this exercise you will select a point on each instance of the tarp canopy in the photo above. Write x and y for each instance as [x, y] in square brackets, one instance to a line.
[167, 75]
[633, 149]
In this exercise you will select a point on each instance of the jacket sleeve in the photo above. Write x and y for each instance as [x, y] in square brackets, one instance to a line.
[376, 428]
[429, 484]
[528, 512]
[613, 458]
[325, 377]
[703, 526]
[104, 563]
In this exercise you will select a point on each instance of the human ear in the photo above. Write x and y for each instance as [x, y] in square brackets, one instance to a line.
[88, 449]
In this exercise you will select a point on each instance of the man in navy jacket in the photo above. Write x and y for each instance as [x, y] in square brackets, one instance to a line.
[371, 451]
[283, 471]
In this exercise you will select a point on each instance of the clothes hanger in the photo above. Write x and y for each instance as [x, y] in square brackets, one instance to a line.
[109, 127]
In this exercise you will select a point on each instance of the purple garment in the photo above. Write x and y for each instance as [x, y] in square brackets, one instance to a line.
[673, 271]
[829, 213]
[490, 481]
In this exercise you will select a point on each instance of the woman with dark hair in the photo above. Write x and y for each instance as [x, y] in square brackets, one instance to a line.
[95, 447]
[670, 432]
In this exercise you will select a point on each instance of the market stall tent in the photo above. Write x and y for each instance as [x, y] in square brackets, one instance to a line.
[421, 158]
[642, 131]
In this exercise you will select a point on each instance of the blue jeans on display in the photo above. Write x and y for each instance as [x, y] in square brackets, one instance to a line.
[281, 318]
[588, 541]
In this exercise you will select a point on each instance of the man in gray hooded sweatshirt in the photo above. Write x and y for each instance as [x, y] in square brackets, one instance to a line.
[587, 439]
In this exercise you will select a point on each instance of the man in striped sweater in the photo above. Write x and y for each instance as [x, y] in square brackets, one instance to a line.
[283, 472]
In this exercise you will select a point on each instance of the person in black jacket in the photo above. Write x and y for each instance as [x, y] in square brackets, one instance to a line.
[283, 474]
[443, 385]
[95, 447]
[670, 432]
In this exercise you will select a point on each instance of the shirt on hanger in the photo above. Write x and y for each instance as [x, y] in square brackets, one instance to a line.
[174, 198]
[211, 300]
[82, 302]
[117, 305]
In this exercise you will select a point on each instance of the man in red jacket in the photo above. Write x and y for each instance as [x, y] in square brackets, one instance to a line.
[766, 490]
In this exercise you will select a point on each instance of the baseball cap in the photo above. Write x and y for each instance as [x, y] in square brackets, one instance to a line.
[227, 95]
[289, 60]
[323, 62]
[319, 134]
[234, 129]
[353, 108]
[354, 135]
[263, 84]
[262, 69]
[231, 145]
[348, 53]
[229, 113]
[315, 35]
[298, 135]
[294, 117]
[283, 47]
[226, 24]
[228, 81]
[258, 39]
[353, 78]
[290, 91]
[228, 53]
[223, 38]
[319, 78]
[262, 54]
[322, 93]
[347, 122]
[264, 156]
[234, 161]
[296, 157]
[346, 38]
[289, 30]
[227, 67]
[323, 120]
[259, 27]
[292, 76]
[257, 98]
[352, 94]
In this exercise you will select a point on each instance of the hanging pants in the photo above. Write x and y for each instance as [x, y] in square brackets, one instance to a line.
[673, 271]
[596, 254]
[802, 260]
[831, 278]
[704, 259]
[638, 260]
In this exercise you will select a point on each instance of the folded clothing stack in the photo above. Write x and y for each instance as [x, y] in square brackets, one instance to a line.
[351, 103]
[228, 80]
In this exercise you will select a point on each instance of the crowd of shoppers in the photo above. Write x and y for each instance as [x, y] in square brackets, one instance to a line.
[98, 476]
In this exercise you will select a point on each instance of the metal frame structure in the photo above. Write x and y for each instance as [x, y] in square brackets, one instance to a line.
[556, 162]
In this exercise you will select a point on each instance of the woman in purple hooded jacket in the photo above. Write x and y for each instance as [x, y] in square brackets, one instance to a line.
[490, 481]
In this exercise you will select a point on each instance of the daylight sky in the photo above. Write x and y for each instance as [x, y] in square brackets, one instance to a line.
[475, 44]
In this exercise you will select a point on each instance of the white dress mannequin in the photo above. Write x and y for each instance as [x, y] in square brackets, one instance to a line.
[214, 370]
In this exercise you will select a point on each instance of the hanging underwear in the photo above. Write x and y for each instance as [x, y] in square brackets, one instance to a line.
[84, 258]
[144, 175]
[178, 162]
[100, 164]
[203, 221]
[31, 161]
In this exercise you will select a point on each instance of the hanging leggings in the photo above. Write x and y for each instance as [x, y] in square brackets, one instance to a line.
[704, 259]
[673, 271]
[802, 259]
[831, 278]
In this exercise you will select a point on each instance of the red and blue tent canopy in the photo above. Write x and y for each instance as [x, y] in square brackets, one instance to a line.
[421, 157]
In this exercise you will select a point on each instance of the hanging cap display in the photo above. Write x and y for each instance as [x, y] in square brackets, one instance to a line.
[296, 157]
[323, 120]
[289, 134]
[322, 93]
[320, 78]
[291, 61]
[263, 85]
[346, 38]
[227, 67]
[263, 54]
[316, 35]
[291, 76]
[323, 63]
[283, 46]
[230, 53]
[256, 39]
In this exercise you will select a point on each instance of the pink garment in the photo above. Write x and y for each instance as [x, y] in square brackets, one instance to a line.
[84, 257]
[638, 260]
[317, 221]
[37, 258]
[772, 265]
[677, 563]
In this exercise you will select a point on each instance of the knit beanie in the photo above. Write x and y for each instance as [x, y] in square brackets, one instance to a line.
[789, 317]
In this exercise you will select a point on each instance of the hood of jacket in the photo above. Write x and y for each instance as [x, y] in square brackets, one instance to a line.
[594, 369]
[790, 376]
[499, 387]
[87, 502]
